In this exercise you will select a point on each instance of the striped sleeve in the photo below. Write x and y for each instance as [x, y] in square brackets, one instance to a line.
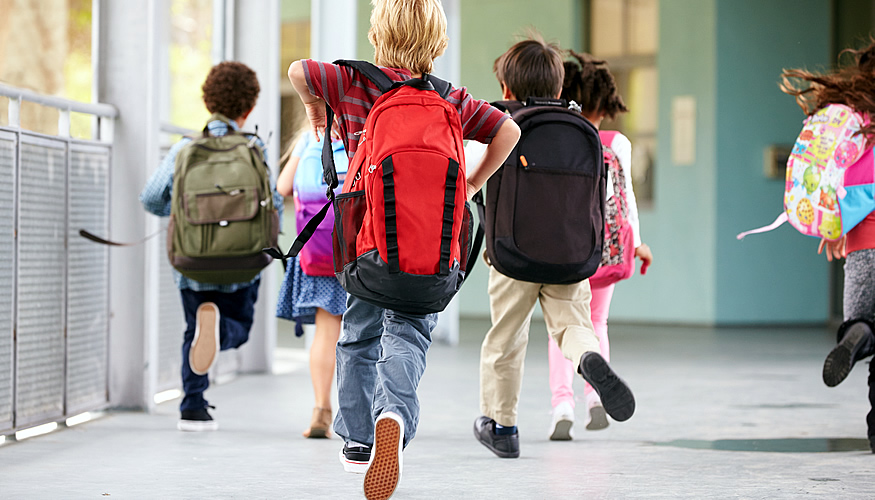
[480, 121]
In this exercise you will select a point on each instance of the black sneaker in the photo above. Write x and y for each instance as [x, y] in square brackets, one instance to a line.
[616, 397]
[355, 458]
[197, 421]
[503, 445]
[841, 359]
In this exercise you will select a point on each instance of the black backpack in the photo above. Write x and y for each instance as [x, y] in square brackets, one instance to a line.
[544, 212]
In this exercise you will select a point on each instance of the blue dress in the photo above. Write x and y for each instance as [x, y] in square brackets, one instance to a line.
[301, 294]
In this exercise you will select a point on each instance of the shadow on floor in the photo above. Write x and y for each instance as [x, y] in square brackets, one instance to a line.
[796, 445]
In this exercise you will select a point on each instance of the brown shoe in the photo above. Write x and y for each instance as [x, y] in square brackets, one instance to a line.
[320, 424]
[205, 346]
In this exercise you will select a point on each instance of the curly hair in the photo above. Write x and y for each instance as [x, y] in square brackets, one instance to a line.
[589, 83]
[852, 85]
[231, 89]
[531, 68]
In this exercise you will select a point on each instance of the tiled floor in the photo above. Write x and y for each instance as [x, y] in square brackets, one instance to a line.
[727, 413]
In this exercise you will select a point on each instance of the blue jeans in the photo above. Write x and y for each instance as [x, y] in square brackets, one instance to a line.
[236, 311]
[380, 360]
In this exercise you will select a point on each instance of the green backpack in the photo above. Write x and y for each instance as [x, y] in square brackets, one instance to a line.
[222, 213]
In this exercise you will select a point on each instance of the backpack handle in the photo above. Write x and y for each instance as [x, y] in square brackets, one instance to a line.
[218, 117]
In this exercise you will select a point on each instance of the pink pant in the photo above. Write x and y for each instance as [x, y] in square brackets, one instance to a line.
[562, 370]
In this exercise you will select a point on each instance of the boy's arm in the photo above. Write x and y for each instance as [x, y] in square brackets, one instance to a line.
[314, 105]
[155, 196]
[496, 152]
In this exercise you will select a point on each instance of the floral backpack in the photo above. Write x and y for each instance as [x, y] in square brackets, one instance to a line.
[618, 251]
[830, 182]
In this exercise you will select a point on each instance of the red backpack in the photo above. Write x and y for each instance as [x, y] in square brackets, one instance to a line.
[402, 231]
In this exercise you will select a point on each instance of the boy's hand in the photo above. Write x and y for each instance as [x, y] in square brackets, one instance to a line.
[834, 249]
[643, 253]
[316, 116]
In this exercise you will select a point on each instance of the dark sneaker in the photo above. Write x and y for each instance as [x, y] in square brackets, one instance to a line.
[505, 446]
[384, 471]
[205, 346]
[616, 397]
[355, 458]
[841, 359]
[197, 421]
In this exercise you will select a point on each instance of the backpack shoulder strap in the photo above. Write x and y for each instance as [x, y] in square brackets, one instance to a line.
[370, 71]
[507, 106]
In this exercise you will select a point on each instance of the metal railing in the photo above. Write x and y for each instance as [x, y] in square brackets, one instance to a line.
[54, 325]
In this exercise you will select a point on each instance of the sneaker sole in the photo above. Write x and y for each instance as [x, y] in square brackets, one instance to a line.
[384, 471]
[205, 346]
[837, 365]
[617, 398]
[197, 426]
[598, 419]
[353, 466]
[562, 431]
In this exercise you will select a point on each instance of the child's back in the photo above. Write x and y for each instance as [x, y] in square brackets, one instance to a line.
[381, 352]
[533, 68]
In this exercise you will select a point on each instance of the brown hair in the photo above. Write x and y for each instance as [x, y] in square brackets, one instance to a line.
[851, 85]
[408, 34]
[231, 89]
[531, 68]
[589, 83]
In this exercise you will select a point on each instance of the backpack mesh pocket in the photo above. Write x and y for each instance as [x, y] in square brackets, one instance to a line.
[349, 212]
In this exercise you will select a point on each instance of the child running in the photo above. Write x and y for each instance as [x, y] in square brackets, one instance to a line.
[533, 68]
[381, 352]
[310, 293]
[591, 85]
[853, 86]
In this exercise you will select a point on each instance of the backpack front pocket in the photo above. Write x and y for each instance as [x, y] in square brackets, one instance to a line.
[349, 213]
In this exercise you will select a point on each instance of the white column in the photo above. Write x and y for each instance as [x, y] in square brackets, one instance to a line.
[448, 66]
[126, 77]
[255, 33]
[333, 29]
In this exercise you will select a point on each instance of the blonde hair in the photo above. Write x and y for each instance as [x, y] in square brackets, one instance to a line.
[408, 34]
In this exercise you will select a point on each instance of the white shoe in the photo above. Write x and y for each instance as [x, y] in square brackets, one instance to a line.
[205, 347]
[563, 420]
[384, 470]
[597, 418]
[355, 457]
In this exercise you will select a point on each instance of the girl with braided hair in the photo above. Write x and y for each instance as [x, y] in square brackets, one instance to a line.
[852, 85]
[590, 84]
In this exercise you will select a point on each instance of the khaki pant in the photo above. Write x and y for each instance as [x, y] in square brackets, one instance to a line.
[566, 313]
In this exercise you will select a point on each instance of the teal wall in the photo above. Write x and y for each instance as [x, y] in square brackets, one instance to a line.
[680, 226]
[776, 277]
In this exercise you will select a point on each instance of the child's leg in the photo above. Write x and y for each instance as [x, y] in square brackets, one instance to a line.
[561, 375]
[511, 303]
[405, 341]
[599, 306]
[567, 315]
[566, 312]
[236, 312]
[358, 350]
[322, 356]
[193, 385]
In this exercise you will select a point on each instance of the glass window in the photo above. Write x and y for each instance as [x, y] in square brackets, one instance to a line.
[60, 32]
[190, 60]
[295, 44]
[626, 34]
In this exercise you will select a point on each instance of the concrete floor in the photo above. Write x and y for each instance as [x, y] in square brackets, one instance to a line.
[728, 413]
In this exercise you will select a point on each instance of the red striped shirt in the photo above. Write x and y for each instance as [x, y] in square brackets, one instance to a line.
[351, 96]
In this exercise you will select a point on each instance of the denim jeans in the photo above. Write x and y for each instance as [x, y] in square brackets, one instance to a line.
[236, 310]
[380, 360]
